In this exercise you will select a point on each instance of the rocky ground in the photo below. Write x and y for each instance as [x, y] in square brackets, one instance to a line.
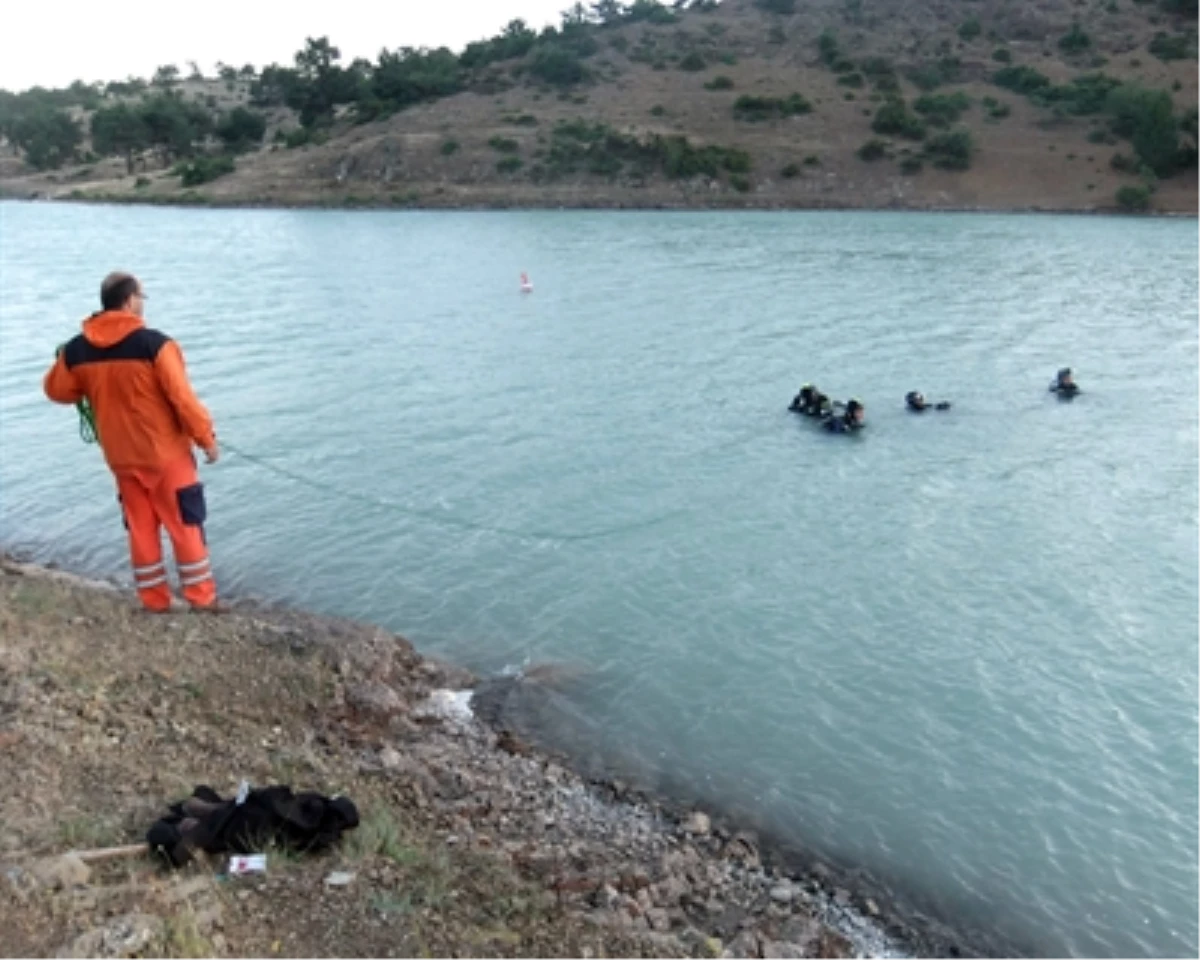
[471, 843]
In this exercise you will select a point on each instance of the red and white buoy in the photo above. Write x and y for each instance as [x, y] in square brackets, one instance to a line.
[526, 285]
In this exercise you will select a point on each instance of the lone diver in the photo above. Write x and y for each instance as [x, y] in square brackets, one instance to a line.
[849, 420]
[1064, 384]
[811, 402]
[916, 402]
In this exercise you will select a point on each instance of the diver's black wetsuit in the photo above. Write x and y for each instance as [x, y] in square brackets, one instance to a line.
[844, 421]
[1064, 387]
[811, 402]
[917, 403]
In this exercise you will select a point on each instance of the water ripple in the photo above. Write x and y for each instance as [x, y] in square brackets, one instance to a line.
[958, 652]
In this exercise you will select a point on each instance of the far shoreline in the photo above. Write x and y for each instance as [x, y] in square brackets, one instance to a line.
[343, 206]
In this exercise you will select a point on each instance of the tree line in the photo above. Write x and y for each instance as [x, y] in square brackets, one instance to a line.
[134, 118]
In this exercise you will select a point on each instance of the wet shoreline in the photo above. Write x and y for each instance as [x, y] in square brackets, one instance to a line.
[756, 893]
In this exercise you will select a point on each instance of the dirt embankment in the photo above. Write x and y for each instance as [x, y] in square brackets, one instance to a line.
[471, 843]
[498, 148]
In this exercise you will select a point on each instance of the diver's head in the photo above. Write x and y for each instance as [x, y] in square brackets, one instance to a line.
[915, 399]
[855, 411]
[1065, 375]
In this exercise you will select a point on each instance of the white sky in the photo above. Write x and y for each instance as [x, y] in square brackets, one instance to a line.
[50, 44]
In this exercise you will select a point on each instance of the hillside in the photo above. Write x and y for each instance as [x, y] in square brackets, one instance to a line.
[910, 104]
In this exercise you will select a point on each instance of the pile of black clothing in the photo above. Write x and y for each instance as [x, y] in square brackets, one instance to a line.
[250, 822]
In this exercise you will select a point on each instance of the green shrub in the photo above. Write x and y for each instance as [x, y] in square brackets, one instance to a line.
[1148, 119]
[941, 110]
[526, 120]
[504, 145]
[1086, 94]
[827, 45]
[911, 165]
[658, 110]
[754, 108]
[880, 72]
[736, 161]
[873, 150]
[1123, 163]
[851, 80]
[1002, 55]
[557, 65]
[692, 62]
[998, 111]
[241, 129]
[719, 82]
[777, 34]
[930, 76]
[950, 151]
[782, 7]
[970, 30]
[449, 147]
[790, 172]
[1023, 80]
[812, 160]
[1133, 199]
[1074, 40]
[141, 182]
[739, 183]
[1101, 136]
[508, 165]
[894, 118]
[578, 145]
[205, 169]
[1166, 48]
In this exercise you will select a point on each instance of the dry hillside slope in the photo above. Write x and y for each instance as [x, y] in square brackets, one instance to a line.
[505, 147]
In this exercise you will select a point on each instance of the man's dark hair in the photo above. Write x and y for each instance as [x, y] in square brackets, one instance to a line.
[116, 290]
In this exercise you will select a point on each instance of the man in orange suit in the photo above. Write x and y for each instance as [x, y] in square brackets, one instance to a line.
[147, 420]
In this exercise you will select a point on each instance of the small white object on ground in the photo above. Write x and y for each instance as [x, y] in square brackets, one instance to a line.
[448, 705]
[251, 863]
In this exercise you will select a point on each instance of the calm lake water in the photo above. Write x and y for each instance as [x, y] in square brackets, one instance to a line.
[958, 651]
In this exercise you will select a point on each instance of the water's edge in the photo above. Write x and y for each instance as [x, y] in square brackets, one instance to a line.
[877, 918]
[733, 206]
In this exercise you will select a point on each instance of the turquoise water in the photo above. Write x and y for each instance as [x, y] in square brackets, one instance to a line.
[958, 651]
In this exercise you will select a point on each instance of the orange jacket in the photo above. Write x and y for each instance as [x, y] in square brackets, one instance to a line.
[134, 377]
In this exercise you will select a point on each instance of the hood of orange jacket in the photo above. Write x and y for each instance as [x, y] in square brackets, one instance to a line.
[110, 327]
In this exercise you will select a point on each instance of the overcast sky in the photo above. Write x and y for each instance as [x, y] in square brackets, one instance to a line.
[53, 43]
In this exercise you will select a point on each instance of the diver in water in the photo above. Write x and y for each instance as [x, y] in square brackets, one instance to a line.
[916, 402]
[810, 401]
[1064, 384]
[848, 420]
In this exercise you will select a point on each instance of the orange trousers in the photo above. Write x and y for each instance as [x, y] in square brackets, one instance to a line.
[171, 497]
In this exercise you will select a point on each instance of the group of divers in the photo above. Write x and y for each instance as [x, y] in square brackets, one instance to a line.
[851, 416]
